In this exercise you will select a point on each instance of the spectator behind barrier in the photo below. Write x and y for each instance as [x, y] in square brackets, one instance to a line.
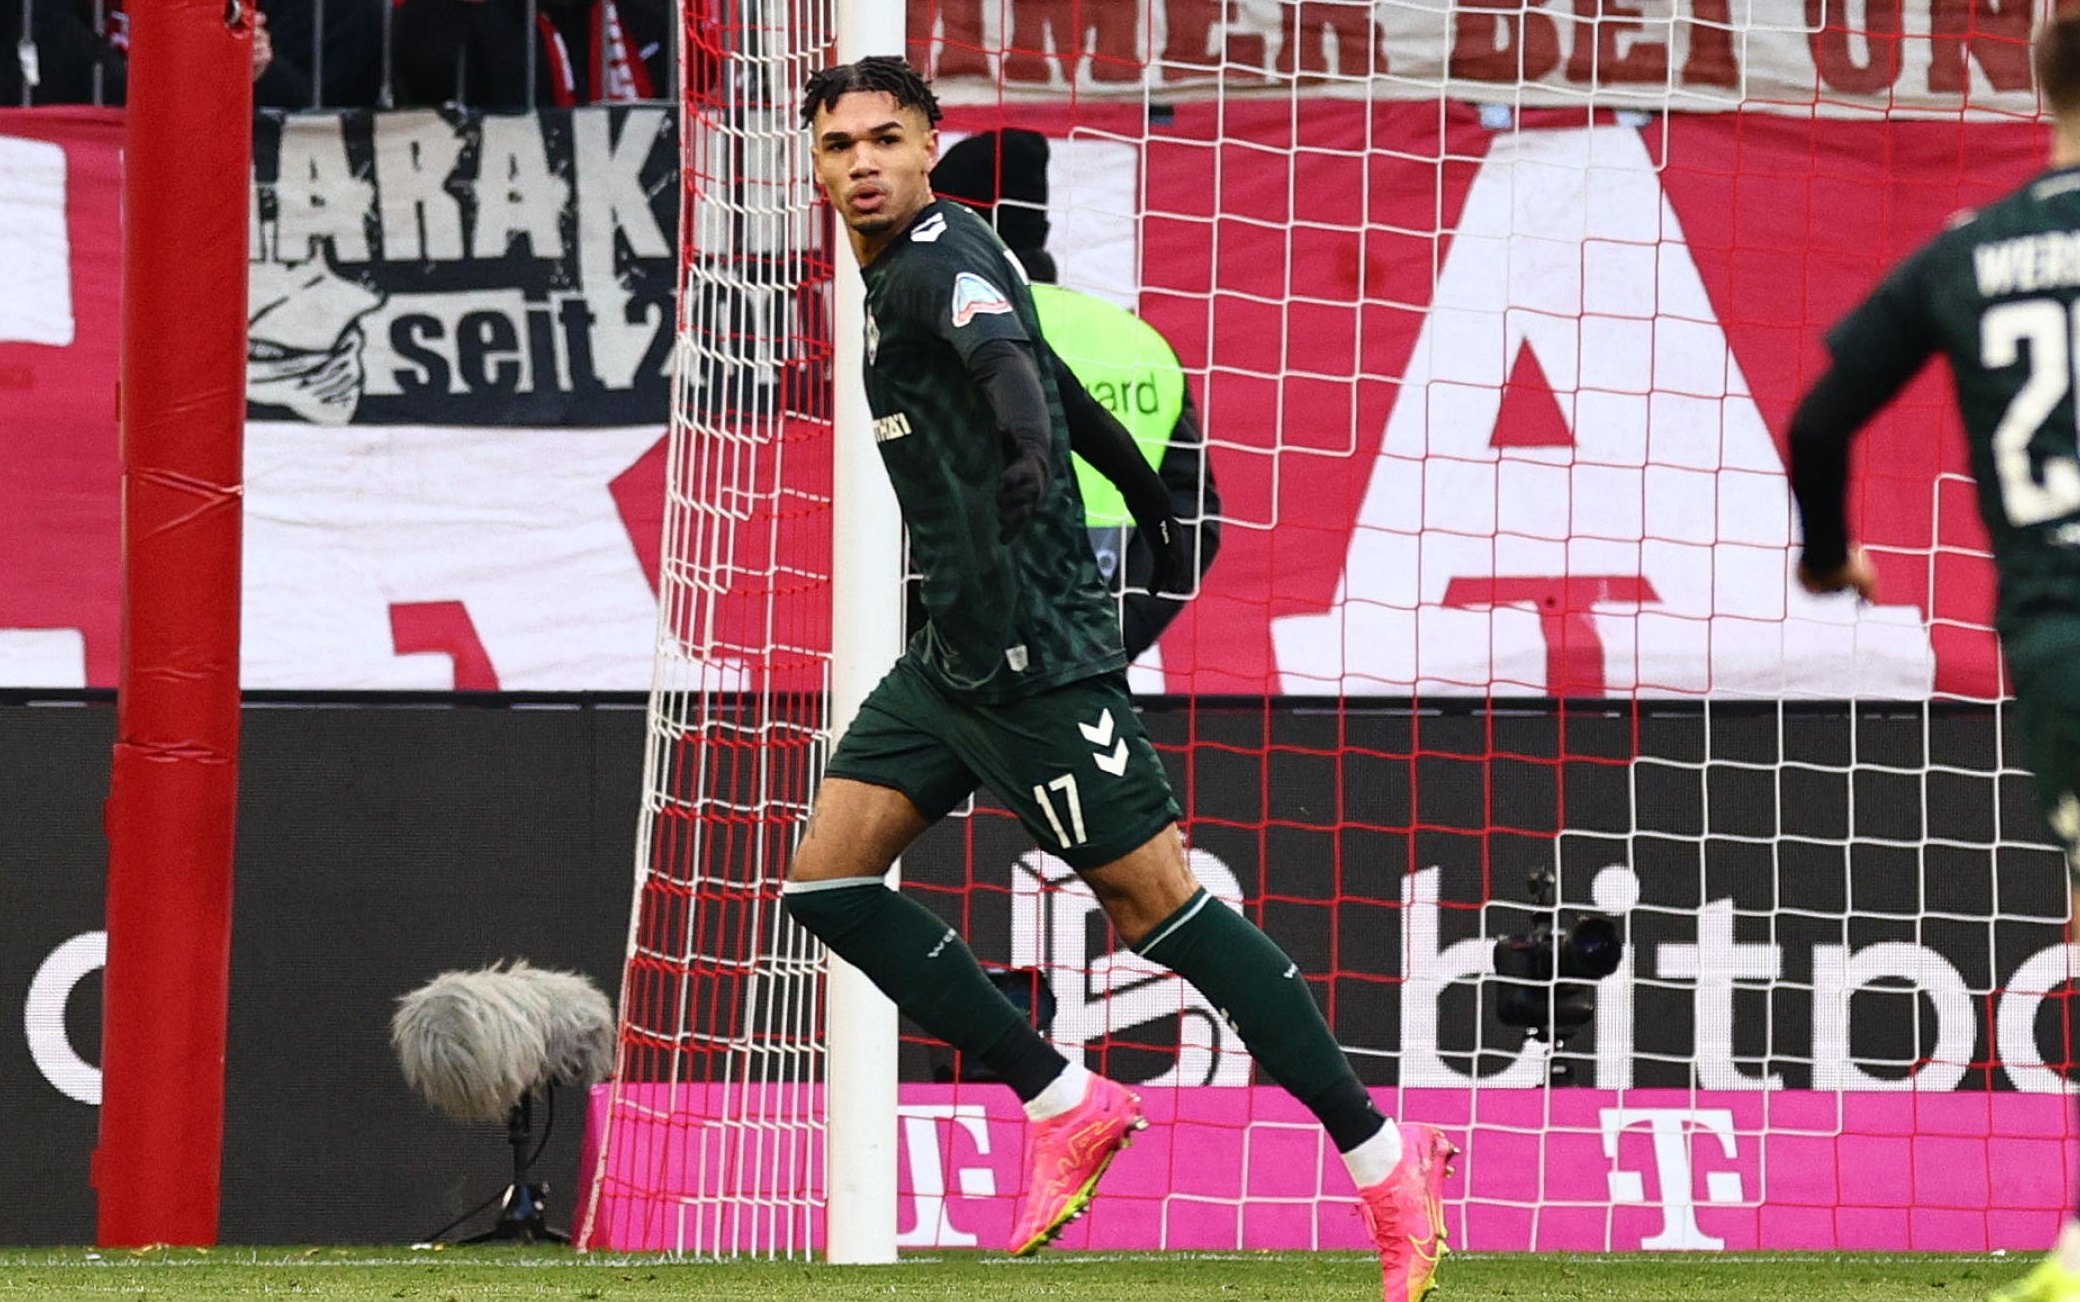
[327, 54]
[69, 62]
[66, 61]
[1124, 362]
[475, 52]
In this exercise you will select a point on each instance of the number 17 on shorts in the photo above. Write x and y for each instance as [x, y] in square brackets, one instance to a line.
[1090, 785]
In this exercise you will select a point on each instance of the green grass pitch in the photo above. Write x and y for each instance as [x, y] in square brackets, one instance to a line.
[466, 1274]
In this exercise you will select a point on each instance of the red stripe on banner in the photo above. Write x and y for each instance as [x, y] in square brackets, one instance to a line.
[445, 627]
[173, 799]
[58, 502]
[1767, 202]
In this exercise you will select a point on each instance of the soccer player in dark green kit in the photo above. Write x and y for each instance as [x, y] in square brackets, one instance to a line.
[1017, 682]
[1999, 296]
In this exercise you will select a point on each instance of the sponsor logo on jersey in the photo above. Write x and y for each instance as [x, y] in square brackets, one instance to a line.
[2027, 263]
[873, 338]
[930, 229]
[973, 296]
[891, 427]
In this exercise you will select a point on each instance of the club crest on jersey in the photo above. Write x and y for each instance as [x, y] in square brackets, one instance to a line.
[973, 296]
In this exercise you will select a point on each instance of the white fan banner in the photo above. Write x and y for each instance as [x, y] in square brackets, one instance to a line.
[1831, 56]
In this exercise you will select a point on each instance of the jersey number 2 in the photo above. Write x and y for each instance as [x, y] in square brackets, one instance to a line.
[2050, 330]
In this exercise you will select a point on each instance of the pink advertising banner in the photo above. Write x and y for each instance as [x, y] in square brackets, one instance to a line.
[1247, 1168]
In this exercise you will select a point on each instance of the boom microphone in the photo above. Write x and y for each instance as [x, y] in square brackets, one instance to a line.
[474, 1044]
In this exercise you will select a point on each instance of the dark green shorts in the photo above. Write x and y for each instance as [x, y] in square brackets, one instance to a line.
[2045, 662]
[1071, 762]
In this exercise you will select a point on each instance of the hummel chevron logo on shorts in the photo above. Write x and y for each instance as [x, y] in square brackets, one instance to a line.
[1099, 734]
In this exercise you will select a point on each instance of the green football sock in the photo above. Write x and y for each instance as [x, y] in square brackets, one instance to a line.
[920, 963]
[1262, 994]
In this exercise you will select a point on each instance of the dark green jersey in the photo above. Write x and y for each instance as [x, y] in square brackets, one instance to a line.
[1004, 620]
[1996, 294]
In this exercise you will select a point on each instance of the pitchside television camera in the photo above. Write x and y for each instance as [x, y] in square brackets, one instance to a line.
[1548, 973]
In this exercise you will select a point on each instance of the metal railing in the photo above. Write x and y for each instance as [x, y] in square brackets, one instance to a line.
[498, 54]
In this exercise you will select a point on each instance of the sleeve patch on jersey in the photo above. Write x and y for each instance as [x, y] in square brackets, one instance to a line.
[973, 296]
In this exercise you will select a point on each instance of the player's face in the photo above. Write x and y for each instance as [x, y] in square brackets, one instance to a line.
[874, 161]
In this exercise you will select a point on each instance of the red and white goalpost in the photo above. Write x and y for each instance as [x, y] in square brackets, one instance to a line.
[1496, 314]
[734, 1080]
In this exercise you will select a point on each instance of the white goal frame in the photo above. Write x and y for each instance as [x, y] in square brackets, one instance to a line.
[866, 638]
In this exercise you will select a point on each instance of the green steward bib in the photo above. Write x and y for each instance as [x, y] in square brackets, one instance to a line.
[1129, 367]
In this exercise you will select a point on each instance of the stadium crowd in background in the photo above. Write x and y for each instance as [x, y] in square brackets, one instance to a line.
[61, 56]
[490, 54]
[517, 54]
[306, 53]
[327, 54]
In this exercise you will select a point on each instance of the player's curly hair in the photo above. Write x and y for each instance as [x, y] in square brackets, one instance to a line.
[876, 72]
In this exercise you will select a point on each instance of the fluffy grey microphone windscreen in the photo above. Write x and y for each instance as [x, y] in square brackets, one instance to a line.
[578, 1036]
[473, 1044]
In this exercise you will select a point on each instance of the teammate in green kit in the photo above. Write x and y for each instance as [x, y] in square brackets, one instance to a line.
[1999, 296]
[1016, 682]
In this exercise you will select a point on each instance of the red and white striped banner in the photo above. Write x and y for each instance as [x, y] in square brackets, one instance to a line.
[1490, 412]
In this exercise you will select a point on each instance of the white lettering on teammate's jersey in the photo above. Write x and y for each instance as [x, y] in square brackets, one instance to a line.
[973, 296]
[889, 428]
[2028, 263]
[2053, 186]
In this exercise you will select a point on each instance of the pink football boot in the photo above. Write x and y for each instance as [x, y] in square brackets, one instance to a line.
[1069, 1153]
[1405, 1213]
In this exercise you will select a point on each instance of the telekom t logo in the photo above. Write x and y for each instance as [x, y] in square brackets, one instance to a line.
[1574, 651]
[1672, 1129]
[931, 1228]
